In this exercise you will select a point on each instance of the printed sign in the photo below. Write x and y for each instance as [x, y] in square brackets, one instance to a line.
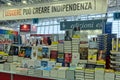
[83, 25]
[62, 8]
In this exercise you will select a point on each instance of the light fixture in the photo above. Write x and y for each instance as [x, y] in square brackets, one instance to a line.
[9, 3]
[24, 2]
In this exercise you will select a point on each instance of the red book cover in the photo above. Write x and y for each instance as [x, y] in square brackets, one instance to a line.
[53, 54]
[68, 57]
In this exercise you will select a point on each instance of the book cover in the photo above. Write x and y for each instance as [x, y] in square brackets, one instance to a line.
[22, 52]
[53, 54]
[45, 52]
[34, 53]
[68, 57]
[6, 48]
[14, 50]
[60, 57]
[83, 53]
[28, 51]
[101, 55]
[44, 63]
[75, 58]
[92, 55]
[1, 47]
[39, 53]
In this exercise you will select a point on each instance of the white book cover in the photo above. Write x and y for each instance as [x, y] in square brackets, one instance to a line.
[75, 58]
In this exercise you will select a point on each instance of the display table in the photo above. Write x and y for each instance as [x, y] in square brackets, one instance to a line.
[4, 75]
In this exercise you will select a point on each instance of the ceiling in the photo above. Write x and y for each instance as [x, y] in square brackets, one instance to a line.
[23, 2]
[16, 2]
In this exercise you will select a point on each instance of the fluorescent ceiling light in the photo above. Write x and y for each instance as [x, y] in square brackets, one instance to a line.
[9, 3]
[24, 2]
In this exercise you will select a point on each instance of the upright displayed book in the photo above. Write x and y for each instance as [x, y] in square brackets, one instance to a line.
[39, 52]
[68, 57]
[53, 54]
[7, 48]
[22, 52]
[1, 47]
[28, 51]
[34, 53]
[83, 54]
[92, 55]
[83, 47]
[45, 52]
[60, 57]
[75, 58]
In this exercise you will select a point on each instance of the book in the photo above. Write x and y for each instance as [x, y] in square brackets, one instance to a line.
[68, 58]
[39, 52]
[28, 51]
[53, 54]
[22, 52]
[83, 53]
[92, 55]
[45, 52]
[34, 53]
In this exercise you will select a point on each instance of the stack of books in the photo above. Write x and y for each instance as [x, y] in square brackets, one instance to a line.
[70, 75]
[109, 75]
[7, 66]
[115, 60]
[75, 45]
[117, 75]
[38, 72]
[67, 47]
[80, 74]
[89, 74]
[99, 74]
[54, 47]
[60, 47]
